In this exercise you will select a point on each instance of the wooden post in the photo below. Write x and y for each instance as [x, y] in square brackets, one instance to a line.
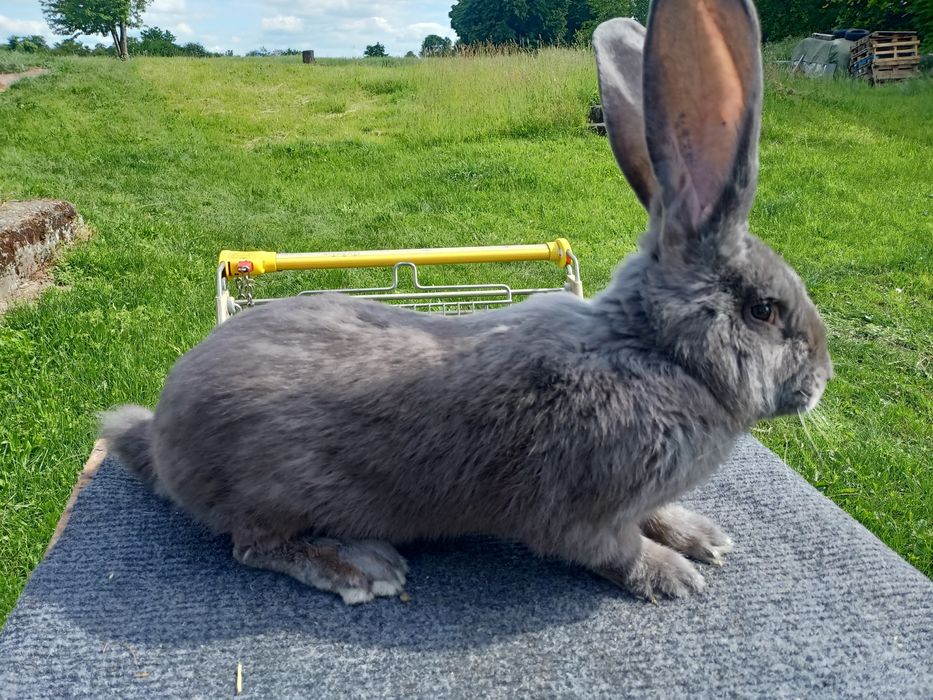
[307, 56]
[596, 119]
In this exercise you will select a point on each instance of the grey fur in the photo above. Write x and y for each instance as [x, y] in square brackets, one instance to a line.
[620, 47]
[357, 571]
[689, 533]
[127, 432]
[565, 424]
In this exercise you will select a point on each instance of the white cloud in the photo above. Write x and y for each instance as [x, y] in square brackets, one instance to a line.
[419, 30]
[167, 13]
[335, 8]
[283, 23]
[376, 27]
[8, 25]
[398, 33]
[176, 17]
[383, 24]
[168, 7]
[331, 27]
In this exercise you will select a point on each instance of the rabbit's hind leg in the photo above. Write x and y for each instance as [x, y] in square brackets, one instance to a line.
[356, 570]
[689, 533]
[648, 569]
[620, 552]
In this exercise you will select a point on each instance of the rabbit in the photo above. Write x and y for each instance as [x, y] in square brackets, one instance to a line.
[321, 431]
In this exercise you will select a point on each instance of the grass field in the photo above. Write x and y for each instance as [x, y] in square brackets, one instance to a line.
[169, 160]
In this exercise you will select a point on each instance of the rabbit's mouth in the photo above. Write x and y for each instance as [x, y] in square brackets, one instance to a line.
[823, 375]
[806, 401]
[803, 394]
[814, 399]
[799, 401]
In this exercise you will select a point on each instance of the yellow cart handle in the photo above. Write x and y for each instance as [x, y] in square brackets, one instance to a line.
[258, 262]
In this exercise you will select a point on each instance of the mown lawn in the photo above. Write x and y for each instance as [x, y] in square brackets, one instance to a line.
[170, 160]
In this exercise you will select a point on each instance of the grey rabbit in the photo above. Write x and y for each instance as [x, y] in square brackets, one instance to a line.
[568, 425]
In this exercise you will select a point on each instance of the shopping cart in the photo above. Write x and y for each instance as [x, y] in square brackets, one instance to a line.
[237, 271]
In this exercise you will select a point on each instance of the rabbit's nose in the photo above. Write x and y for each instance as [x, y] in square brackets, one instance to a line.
[816, 338]
[824, 373]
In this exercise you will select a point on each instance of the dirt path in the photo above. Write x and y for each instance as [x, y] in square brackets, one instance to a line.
[7, 79]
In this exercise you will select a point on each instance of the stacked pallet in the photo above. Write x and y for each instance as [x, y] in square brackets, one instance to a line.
[883, 56]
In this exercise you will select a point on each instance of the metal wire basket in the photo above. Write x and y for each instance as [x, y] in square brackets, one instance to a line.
[403, 289]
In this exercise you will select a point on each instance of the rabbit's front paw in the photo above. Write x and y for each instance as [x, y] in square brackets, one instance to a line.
[355, 570]
[657, 571]
[689, 533]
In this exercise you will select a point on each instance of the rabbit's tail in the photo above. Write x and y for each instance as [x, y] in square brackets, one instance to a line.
[127, 430]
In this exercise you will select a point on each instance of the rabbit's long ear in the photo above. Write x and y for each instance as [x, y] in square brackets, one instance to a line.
[619, 45]
[702, 92]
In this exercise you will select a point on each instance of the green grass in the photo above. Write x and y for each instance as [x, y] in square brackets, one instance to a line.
[18, 61]
[170, 160]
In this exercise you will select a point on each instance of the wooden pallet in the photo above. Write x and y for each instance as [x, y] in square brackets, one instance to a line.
[895, 36]
[891, 50]
[856, 66]
[885, 49]
[885, 56]
[882, 74]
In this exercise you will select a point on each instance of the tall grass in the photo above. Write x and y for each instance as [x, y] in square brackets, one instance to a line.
[18, 61]
[418, 102]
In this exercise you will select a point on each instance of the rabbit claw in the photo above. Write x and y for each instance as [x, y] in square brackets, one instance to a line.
[689, 533]
[658, 571]
[357, 571]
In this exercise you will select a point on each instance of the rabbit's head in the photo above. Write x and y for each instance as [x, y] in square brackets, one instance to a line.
[682, 106]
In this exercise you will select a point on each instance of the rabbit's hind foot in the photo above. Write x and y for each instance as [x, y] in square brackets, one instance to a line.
[357, 571]
[689, 533]
[656, 571]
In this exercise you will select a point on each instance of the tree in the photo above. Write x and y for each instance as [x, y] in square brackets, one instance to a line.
[583, 16]
[104, 17]
[410, 54]
[884, 15]
[263, 52]
[526, 22]
[70, 47]
[783, 18]
[194, 49]
[786, 18]
[435, 45]
[157, 42]
[538, 22]
[27, 44]
[376, 50]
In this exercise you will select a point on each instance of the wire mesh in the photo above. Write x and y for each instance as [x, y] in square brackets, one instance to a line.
[446, 300]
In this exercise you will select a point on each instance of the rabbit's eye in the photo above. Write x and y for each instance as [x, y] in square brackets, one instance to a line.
[763, 311]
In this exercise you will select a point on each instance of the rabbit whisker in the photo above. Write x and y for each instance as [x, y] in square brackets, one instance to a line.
[806, 431]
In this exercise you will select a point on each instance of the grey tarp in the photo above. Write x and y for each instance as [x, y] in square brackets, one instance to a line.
[822, 57]
[137, 601]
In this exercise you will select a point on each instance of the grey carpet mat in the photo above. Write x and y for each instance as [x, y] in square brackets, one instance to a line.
[137, 601]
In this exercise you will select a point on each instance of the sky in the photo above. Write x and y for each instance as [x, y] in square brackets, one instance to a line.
[329, 27]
